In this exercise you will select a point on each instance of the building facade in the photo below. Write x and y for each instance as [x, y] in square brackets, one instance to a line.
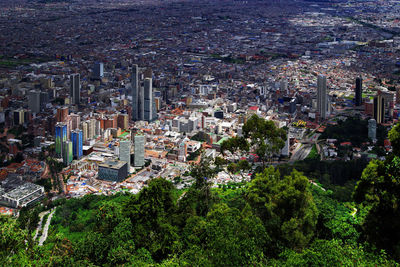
[61, 136]
[125, 151]
[322, 104]
[77, 143]
[358, 92]
[75, 88]
[139, 151]
[113, 170]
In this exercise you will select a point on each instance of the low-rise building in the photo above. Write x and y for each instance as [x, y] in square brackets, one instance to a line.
[113, 170]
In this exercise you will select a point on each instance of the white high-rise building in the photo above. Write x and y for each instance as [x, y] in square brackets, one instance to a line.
[148, 99]
[322, 99]
[138, 160]
[125, 151]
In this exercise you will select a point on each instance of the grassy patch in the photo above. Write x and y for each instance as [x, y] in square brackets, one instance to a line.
[313, 153]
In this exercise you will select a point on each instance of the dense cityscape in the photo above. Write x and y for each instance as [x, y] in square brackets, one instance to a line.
[197, 117]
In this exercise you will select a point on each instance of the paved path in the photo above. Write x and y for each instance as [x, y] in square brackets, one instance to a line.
[41, 215]
[43, 237]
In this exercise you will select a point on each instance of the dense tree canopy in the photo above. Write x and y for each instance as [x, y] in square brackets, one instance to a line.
[279, 218]
[285, 205]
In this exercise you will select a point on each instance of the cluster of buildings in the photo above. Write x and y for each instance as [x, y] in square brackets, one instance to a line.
[121, 109]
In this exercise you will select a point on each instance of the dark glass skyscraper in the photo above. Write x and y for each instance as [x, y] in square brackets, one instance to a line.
[358, 92]
[77, 143]
[75, 88]
[143, 106]
[137, 95]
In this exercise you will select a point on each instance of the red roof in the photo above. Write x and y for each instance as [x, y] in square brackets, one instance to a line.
[255, 108]
[345, 144]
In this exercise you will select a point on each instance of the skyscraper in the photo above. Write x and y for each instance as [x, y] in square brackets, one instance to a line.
[34, 101]
[125, 151]
[143, 105]
[85, 131]
[75, 88]
[138, 160]
[136, 95]
[77, 143]
[322, 104]
[358, 92]
[98, 70]
[67, 153]
[379, 109]
[61, 136]
[148, 99]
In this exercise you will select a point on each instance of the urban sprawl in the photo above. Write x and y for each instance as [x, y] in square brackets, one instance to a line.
[101, 97]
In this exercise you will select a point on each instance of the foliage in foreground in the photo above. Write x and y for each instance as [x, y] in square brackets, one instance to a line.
[274, 220]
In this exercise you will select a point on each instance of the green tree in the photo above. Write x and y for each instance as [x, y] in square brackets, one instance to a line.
[285, 205]
[379, 188]
[265, 138]
[333, 253]
[234, 145]
[151, 213]
[225, 237]
[12, 239]
[394, 137]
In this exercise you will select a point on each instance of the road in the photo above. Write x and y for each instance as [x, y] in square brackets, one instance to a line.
[41, 215]
[301, 153]
[43, 237]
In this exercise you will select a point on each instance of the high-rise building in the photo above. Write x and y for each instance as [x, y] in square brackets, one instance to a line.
[138, 160]
[125, 151]
[379, 109]
[322, 103]
[137, 95]
[358, 92]
[372, 129]
[98, 70]
[75, 121]
[75, 88]
[61, 136]
[67, 153]
[85, 131]
[98, 128]
[123, 121]
[34, 101]
[148, 100]
[44, 99]
[19, 116]
[91, 128]
[77, 143]
[62, 113]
